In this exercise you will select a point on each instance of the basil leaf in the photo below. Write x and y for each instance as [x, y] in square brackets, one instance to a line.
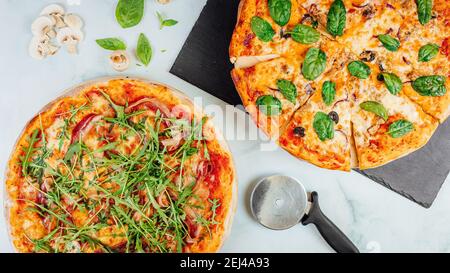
[111, 44]
[269, 105]
[393, 82]
[288, 89]
[262, 29]
[144, 50]
[280, 11]
[359, 69]
[400, 128]
[165, 22]
[428, 52]
[376, 108]
[389, 42]
[424, 9]
[430, 86]
[336, 18]
[129, 12]
[328, 92]
[169, 22]
[304, 34]
[323, 126]
[314, 64]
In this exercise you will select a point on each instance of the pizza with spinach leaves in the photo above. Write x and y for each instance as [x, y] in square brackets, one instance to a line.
[344, 83]
[120, 165]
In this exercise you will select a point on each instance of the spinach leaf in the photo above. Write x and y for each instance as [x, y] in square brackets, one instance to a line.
[280, 11]
[269, 105]
[430, 86]
[323, 126]
[129, 12]
[400, 128]
[314, 64]
[336, 18]
[304, 34]
[359, 69]
[262, 29]
[424, 10]
[144, 50]
[111, 44]
[328, 92]
[288, 89]
[376, 108]
[428, 52]
[393, 82]
[389, 42]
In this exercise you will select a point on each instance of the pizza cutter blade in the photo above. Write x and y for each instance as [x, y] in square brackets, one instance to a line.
[280, 202]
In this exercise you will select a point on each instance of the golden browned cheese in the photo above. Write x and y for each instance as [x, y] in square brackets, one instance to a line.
[84, 115]
[264, 63]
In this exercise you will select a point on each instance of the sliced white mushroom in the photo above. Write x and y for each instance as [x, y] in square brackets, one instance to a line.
[57, 12]
[40, 47]
[70, 38]
[43, 26]
[120, 60]
[73, 21]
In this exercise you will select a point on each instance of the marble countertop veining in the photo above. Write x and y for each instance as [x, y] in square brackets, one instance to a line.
[376, 219]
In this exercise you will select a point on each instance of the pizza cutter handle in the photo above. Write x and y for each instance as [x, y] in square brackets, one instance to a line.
[329, 231]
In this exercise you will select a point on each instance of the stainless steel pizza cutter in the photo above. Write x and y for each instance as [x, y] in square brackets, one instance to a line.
[281, 202]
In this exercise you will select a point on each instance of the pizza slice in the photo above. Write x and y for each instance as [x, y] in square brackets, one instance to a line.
[386, 124]
[263, 32]
[271, 91]
[339, 19]
[320, 131]
[426, 50]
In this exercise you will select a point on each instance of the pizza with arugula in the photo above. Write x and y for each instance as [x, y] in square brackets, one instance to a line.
[344, 83]
[120, 165]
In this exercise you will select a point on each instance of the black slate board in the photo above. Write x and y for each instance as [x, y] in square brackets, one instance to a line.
[203, 61]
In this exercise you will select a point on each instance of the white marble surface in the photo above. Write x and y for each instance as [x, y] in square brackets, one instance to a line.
[375, 218]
